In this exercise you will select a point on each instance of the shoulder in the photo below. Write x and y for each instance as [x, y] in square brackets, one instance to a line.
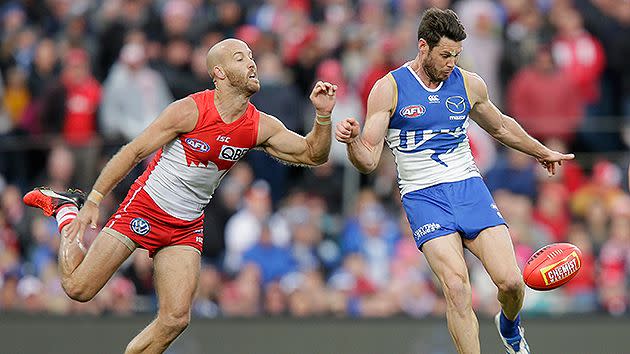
[182, 114]
[268, 125]
[386, 84]
[475, 86]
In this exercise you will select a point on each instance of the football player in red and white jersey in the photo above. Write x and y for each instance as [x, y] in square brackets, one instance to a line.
[197, 140]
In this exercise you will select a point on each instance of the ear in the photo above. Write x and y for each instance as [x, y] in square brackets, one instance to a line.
[423, 46]
[218, 72]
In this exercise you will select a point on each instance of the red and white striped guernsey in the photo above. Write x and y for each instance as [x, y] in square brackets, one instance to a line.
[183, 175]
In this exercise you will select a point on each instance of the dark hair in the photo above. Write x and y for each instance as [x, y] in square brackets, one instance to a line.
[437, 23]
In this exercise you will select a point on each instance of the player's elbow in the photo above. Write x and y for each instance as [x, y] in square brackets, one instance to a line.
[317, 161]
[365, 168]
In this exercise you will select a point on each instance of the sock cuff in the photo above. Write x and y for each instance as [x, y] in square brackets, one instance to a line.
[65, 215]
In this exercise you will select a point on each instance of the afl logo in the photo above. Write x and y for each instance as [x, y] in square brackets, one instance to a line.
[456, 104]
[140, 226]
[413, 111]
[197, 145]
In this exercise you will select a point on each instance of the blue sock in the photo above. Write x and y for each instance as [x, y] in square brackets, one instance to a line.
[509, 329]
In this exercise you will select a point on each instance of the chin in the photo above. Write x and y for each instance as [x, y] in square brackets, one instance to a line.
[253, 88]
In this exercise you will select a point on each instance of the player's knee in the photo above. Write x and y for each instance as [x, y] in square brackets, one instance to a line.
[457, 291]
[78, 292]
[175, 321]
[512, 286]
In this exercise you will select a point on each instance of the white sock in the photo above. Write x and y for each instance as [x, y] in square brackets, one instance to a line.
[65, 215]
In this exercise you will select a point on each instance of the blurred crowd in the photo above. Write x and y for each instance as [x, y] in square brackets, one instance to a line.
[81, 78]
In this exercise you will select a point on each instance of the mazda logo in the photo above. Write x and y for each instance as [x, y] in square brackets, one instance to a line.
[456, 104]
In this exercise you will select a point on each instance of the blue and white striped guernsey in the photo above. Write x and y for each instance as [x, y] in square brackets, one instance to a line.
[427, 131]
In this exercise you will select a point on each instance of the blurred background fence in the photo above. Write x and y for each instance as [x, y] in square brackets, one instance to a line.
[78, 334]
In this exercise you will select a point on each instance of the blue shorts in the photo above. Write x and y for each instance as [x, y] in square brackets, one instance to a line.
[465, 206]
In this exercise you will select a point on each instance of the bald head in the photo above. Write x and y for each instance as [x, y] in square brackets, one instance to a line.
[218, 54]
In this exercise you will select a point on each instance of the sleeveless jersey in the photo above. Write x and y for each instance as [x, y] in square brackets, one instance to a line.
[427, 131]
[183, 175]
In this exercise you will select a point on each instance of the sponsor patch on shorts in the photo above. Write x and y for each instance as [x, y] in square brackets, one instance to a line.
[140, 226]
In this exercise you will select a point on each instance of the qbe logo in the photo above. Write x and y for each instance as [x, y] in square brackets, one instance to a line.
[140, 226]
[232, 153]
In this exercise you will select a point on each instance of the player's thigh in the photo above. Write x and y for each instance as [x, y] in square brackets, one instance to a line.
[493, 246]
[445, 255]
[102, 259]
[176, 276]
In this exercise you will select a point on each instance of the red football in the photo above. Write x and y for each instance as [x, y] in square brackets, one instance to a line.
[552, 266]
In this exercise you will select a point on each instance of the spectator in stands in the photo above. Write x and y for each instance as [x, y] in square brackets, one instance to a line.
[515, 172]
[614, 258]
[373, 235]
[273, 261]
[554, 112]
[244, 228]
[134, 95]
[70, 109]
[206, 299]
[279, 97]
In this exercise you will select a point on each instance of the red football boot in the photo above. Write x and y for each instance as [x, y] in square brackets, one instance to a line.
[50, 201]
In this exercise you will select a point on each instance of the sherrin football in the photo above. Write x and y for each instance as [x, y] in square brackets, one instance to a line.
[552, 266]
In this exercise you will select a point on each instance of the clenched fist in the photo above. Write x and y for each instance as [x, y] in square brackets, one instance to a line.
[347, 130]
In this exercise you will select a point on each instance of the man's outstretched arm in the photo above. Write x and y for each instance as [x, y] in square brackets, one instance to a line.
[288, 146]
[505, 129]
[178, 117]
[364, 149]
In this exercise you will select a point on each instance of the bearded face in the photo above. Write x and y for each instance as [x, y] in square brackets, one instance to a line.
[242, 73]
[440, 60]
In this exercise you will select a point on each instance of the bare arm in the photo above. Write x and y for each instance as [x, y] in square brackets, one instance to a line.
[505, 129]
[286, 145]
[179, 117]
[364, 149]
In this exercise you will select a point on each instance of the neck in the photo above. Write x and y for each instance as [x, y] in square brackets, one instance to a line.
[416, 66]
[230, 103]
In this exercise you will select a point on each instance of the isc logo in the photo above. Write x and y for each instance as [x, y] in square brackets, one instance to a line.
[413, 111]
[197, 145]
[232, 153]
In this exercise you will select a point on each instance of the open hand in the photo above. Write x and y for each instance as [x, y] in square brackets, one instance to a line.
[323, 97]
[347, 130]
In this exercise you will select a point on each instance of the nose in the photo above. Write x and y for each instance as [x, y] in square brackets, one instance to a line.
[450, 63]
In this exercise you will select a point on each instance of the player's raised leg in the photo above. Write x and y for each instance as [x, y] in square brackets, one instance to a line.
[494, 248]
[445, 255]
[176, 277]
[82, 274]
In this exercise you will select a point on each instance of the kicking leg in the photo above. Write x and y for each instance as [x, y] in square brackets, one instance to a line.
[445, 256]
[494, 248]
[82, 275]
[176, 277]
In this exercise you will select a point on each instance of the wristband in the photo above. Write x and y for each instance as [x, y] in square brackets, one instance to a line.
[325, 122]
[322, 116]
[95, 197]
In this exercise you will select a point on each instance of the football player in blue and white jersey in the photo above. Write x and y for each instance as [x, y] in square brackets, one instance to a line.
[421, 110]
